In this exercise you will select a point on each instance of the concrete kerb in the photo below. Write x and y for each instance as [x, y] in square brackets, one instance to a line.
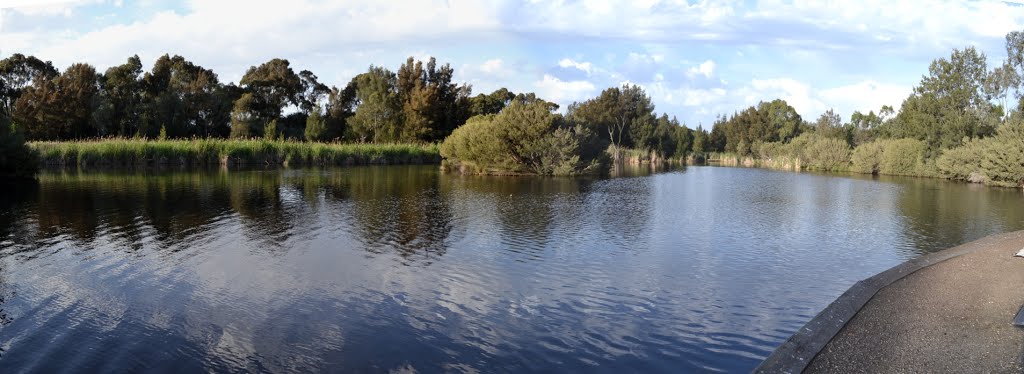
[796, 353]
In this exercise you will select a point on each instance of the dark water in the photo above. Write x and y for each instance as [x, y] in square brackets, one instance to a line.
[406, 269]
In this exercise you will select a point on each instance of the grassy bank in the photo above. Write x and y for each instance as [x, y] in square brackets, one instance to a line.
[199, 152]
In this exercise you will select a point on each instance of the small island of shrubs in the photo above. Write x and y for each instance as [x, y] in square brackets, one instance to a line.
[524, 138]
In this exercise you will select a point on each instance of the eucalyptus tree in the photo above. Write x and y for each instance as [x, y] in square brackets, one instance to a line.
[120, 99]
[613, 112]
[949, 104]
[59, 108]
[378, 110]
[246, 121]
[313, 92]
[18, 72]
[491, 103]
[185, 99]
[274, 84]
[432, 105]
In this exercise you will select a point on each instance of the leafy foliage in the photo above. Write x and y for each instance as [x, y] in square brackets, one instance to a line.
[522, 138]
[767, 122]
[60, 108]
[998, 160]
[316, 126]
[949, 104]
[614, 113]
[17, 160]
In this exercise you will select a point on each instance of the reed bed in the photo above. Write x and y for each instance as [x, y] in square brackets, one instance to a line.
[202, 152]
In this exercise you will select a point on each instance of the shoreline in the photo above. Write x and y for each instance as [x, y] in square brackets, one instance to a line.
[787, 166]
[135, 153]
[802, 348]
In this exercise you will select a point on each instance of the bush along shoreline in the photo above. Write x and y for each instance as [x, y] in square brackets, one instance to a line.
[996, 161]
[17, 160]
[117, 152]
[525, 138]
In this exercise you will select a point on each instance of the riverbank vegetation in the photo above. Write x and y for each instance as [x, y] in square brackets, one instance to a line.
[17, 160]
[229, 152]
[958, 123]
[524, 138]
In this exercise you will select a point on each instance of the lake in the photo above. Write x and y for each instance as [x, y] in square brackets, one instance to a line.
[403, 268]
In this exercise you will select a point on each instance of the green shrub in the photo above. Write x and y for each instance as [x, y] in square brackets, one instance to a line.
[892, 157]
[524, 138]
[771, 150]
[997, 161]
[1004, 161]
[964, 162]
[17, 160]
[827, 154]
[316, 126]
[270, 130]
[903, 157]
[867, 158]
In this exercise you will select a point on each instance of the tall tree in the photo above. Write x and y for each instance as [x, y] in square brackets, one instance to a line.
[341, 104]
[774, 121]
[378, 113]
[18, 72]
[432, 106]
[418, 98]
[316, 126]
[999, 83]
[490, 103]
[1015, 56]
[613, 112]
[120, 99]
[949, 104]
[273, 85]
[246, 122]
[313, 92]
[185, 99]
[829, 124]
[60, 108]
[700, 140]
[782, 119]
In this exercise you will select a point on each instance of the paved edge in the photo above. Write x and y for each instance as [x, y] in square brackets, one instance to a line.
[796, 353]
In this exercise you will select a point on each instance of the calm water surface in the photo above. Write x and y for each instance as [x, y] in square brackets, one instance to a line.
[405, 269]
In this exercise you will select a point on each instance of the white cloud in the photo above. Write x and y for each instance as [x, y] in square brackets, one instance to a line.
[44, 7]
[796, 93]
[492, 66]
[642, 58]
[583, 66]
[807, 100]
[214, 30]
[706, 68]
[563, 92]
[751, 44]
[703, 97]
[867, 95]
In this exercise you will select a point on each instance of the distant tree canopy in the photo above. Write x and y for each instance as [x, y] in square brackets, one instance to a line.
[17, 73]
[959, 102]
[624, 117]
[773, 121]
[178, 98]
[949, 104]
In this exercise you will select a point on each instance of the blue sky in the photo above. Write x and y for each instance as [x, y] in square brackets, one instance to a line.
[696, 59]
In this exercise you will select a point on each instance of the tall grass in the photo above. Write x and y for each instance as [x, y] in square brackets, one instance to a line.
[255, 152]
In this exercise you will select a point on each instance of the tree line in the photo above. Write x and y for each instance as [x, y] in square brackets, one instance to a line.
[180, 99]
[962, 121]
